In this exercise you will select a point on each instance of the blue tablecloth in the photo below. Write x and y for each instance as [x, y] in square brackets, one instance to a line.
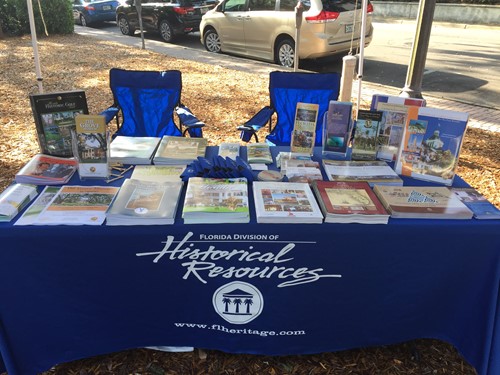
[73, 292]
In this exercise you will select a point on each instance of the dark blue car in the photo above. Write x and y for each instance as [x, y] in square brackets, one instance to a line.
[87, 12]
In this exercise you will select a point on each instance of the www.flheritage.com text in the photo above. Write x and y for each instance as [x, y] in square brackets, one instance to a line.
[242, 331]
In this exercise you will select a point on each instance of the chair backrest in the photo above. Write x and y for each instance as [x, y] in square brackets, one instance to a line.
[286, 89]
[147, 100]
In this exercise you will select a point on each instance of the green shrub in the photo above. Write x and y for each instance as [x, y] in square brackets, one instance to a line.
[57, 14]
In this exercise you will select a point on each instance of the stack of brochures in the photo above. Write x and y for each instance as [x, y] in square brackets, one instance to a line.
[47, 170]
[133, 150]
[373, 172]
[145, 203]
[179, 150]
[14, 199]
[216, 200]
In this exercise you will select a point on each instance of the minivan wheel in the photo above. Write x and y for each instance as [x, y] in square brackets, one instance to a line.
[285, 53]
[166, 31]
[125, 26]
[83, 21]
[211, 41]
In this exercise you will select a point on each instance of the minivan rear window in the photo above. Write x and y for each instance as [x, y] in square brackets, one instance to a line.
[288, 5]
[340, 6]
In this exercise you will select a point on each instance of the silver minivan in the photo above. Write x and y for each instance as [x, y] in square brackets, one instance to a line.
[265, 29]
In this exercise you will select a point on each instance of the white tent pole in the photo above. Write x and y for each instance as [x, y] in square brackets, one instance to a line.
[361, 53]
[35, 46]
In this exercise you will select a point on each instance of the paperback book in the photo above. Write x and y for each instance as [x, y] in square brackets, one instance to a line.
[285, 202]
[91, 146]
[30, 216]
[133, 150]
[54, 115]
[392, 99]
[337, 128]
[298, 170]
[373, 172]
[145, 203]
[179, 150]
[259, 153]
[422, 202]
[158, 173]
[216, 200]
[365, 135]
[349, 202]
[14, 199]
[431, 145]
[47, 170]
[230, 150]
[304, 129]
[477, 203]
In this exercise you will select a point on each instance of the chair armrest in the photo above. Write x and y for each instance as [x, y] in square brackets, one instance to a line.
[109, 113]
[250, 128]
[190, 121]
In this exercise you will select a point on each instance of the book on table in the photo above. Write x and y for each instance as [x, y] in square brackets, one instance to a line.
[285, 202]
[337, 128]
[304, 128]
[259, 153]
[14, 199]
[179, 150]
[54, 115]
[349, 202]
[230, 150]
[373, 172]
[158, 173]
[47, 170]
[392, 99]
[431, 145]
[133, 150]
[300, 170]
[365, 136]
[145, 203]
[78, 205]
[477, 203]
[422, 202]
[216, 200]
[30, 216]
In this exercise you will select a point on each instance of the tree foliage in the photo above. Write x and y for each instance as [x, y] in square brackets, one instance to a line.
[57, 16]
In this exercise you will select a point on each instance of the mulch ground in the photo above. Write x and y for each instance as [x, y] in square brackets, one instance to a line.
[223, 99]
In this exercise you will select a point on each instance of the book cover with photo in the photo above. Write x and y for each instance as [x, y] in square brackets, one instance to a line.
[259, 153]
[336, 130]
[365, 136]
[304, 129]
[179, 150]
[391, 129]
[481, 207]
[373, 172]
[54, 115]
[133, 150]
[47, 170]
[431, 145]
[91, 146]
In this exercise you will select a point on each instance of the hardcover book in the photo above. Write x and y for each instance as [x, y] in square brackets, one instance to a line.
[179, 150]
[91, 146]
[304, 129]
[285, 202]
[259, 153]
[365, 135]
[349, 202]
[373, 172]
[133, 150]
[14, 199]
[145, 203]
[477, 203]
[47, 170]
[216, 200]
[54, 115]
[337, 128]
[431, 145]
[422, 202]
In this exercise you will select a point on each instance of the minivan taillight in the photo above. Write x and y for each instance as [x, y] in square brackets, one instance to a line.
[369, 8]
[323, 17]
[183, 10]
[89, 7]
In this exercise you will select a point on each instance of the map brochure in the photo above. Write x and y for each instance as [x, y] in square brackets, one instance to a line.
[158, 173]
[477, 203]
[78, 205]
[133, 150]
[179, 150]
[304, 129]
[91, 145]
[14, 199]
[421, 202]
[431, 145]
[337, 128]
[54, 115]
[145, 203]
[365, 135]
[349, 202]
[373, 172]
[31, 214]
[285, 202]
[47, 170]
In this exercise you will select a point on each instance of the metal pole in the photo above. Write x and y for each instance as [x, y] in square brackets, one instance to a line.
[414, 76]
[361, 53]
[299, 10]
[35, 46]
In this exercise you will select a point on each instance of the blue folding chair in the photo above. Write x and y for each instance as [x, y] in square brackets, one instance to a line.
[286, 89]
[147, 101]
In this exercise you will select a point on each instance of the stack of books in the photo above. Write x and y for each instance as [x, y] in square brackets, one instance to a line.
[349, 202]
[297, 167]
[47, 170]
[285, 202]
[145, 203]
[216, 200]
[179, 150]
[133, 150]
[158, 173]
[373, 172]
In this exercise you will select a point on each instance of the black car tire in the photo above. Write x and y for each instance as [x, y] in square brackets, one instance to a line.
[212, 42]
[166, 31]
[285, 53]
[125, 27]
[83, 20]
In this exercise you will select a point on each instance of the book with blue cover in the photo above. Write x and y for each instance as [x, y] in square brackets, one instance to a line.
[477, 203]
[337, 128]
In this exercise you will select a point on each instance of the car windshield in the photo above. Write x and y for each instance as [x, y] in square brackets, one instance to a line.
[341, 5]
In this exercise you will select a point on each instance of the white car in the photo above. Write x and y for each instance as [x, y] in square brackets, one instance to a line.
[265, 29]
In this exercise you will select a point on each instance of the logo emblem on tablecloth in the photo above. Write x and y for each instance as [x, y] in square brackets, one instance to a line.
[238, 302]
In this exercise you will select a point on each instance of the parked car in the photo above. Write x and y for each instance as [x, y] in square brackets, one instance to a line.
[87, 12]
[265, 29]
[168, 17]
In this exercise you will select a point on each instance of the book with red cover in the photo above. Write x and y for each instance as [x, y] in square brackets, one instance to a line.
[349, 202]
